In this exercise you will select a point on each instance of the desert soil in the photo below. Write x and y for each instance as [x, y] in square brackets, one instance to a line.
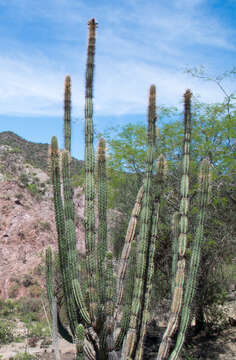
[220, 346]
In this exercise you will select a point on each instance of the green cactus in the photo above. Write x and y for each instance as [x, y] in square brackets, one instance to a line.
[132, 337]
[158, 191]
[89, 176]
[67, 113]
[204, 186]
[108, 314]
[102, 217]
[80, 342]
[49, 277]
[182, 240]
[175, 234]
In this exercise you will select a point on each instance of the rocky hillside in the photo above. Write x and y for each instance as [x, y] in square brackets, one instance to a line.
[35, 154]
[27, 224]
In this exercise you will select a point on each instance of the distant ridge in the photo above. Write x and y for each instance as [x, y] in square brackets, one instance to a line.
[34, 153]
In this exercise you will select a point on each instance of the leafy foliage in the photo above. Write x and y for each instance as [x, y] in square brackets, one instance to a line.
[213, 135]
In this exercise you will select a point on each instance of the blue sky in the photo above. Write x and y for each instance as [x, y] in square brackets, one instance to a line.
[138, 43]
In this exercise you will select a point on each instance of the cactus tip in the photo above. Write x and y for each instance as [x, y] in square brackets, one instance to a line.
[92, 24]
[67, 80]
[152, 91]
[187, 95]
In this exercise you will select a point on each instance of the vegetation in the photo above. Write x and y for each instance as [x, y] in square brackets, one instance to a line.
[213, 133]
[35, 154]
[6, 332]
[95, 305]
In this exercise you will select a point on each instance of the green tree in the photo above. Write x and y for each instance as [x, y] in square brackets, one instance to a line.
[213, 135]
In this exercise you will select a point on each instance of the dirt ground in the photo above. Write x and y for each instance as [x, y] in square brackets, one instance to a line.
[220, 346]
[67, 350]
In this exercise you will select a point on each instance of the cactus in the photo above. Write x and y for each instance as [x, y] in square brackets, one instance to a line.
[89, 175]
[109, 311]
[204, 186]
[182, 240]
[52, 301]
[67, 113]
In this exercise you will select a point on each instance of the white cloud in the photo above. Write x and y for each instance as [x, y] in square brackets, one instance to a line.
[134, 49]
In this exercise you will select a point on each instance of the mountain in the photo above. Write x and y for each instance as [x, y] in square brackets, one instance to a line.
[35, 154]
[27, 224]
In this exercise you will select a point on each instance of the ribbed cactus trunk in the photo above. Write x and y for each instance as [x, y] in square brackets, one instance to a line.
[182, 241]
[107, 315]
[158, 188]
[132, 337]
[102, 217]
[204, 185]
[52, 302]
[89, 176]
[67, 114]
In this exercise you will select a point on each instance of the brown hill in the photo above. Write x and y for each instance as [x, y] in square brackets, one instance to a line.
[27, 223]
[35, 154]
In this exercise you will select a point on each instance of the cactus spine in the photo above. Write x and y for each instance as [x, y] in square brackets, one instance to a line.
[102, 216]
[67, 113]
[131, 341]
[182, 241]
[89, 174]
[204, 186]
[175, 233]
[105, 321]
[158, 190]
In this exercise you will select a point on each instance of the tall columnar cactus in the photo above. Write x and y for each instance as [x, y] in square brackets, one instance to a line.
[102, 216]
[109, 311]
[175, 233]
[158, 187]
[204, 186]
[182, 240]
[67, 113]
[133, 333]
[89, 174]
[52, 301]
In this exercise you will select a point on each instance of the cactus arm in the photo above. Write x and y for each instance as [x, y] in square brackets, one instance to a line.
[204, 184]
[89, 174]
[131, 340]
[130, 235]
[102, 219]
[63, 330]
[158, 190]
[109, 305]
[61, 231]
[80, 335]
[67, 187]
[67, 113]
[128, 296]
[175, 233]
[182, 241]
[80, 301]
[49, 278]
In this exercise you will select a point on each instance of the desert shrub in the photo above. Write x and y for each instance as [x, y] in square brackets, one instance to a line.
[35, 291]
[13, 291]
[37, 329]
[39, 270]
[8, 308]
[24, 356]
[29, 306]
[15, 279]
[14, 150]
[27, 280]
[6, 332]
[33, 189]
[44, 226]
[19, 196]
[216, 318]
[24, 179]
